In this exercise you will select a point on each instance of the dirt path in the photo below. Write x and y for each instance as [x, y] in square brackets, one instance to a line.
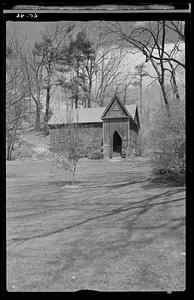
[112, 231]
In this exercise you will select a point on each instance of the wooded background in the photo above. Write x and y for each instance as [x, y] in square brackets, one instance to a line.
[84, 64]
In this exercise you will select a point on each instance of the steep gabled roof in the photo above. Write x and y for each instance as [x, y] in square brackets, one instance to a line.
[119, 103]
[136, 117]
[131, 108]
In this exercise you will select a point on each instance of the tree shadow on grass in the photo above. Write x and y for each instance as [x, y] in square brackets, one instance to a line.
[143, 208]
[94, 185]
[137, 208]
[116, 185]
[61, 183]
[179, 221]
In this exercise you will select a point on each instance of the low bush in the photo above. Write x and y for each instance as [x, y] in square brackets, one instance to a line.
[163, 171]
[96, 155]
[167, 176]
[168, 142]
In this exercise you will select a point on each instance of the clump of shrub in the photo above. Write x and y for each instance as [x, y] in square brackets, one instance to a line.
[96, 155]
[92, 147]
[166, 175]
[22, 150]
[168, 143]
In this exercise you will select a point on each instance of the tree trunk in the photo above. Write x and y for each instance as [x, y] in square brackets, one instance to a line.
[162, 85]
[89, 93]
[89, 101]
[140, 100]
[11, 141]
[46, 116]
[140, 149]
[175, 88]
[164, 93]
[73, 178]
[38, 110]
[125, 95]
[37, 122]
[76, 100]
[9, 147]
[101, 101]
[174, 83]
[77, 87]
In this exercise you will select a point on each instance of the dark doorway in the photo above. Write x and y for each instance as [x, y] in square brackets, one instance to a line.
[116, 142]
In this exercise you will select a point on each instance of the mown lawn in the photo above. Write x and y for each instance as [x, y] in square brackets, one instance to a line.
[112, 231]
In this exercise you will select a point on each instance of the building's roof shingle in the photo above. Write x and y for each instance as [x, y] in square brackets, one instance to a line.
[83, 115]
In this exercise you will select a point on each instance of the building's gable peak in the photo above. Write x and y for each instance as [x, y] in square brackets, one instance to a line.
[115, 109]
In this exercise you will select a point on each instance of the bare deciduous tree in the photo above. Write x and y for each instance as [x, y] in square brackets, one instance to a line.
[68, 156]
[111, 75]
[16, 93]
[150, 39]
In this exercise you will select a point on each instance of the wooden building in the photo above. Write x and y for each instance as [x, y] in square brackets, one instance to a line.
[113, 128]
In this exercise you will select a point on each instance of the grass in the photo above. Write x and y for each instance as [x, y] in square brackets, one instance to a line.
[113, 231]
